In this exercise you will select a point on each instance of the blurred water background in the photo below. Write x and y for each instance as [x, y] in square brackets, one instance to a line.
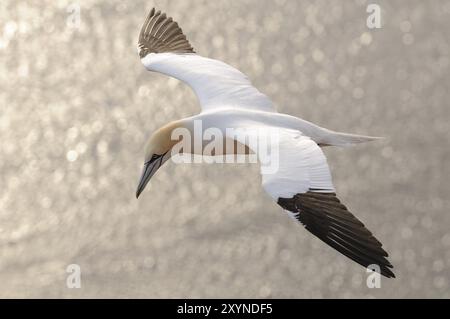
[76, 106]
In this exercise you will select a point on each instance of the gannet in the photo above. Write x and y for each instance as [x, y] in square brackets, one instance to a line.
[302, 184]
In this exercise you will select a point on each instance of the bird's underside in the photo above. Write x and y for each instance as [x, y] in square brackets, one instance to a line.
[302, 186]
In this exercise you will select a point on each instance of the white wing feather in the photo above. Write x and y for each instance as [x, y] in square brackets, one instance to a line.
[216, 84]
[302, 167]
[295, 164]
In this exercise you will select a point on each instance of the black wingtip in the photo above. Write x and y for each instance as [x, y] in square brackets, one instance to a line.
[387, 273]
[326, 217]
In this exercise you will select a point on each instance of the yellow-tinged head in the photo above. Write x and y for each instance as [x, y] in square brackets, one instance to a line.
[157, 152]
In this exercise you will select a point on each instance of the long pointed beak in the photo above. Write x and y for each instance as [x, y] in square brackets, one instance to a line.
[149, 170]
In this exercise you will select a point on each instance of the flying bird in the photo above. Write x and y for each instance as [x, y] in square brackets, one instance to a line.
[302, 184]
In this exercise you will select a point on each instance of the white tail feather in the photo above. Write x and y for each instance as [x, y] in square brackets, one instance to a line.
[345, 139]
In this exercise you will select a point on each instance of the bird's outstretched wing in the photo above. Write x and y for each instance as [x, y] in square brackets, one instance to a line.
[216, 84]
[299, 180]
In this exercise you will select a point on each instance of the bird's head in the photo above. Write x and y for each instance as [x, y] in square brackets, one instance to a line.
[157, 151]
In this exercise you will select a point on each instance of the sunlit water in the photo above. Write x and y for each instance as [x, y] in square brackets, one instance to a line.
[76, 107]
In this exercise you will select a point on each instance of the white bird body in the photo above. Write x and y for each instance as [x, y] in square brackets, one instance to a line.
[228, 99]
[302, 182]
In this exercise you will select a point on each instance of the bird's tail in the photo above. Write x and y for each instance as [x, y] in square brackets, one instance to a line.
[345, 139]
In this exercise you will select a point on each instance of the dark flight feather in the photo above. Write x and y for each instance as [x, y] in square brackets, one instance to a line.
[326, 217]
[161, 34]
